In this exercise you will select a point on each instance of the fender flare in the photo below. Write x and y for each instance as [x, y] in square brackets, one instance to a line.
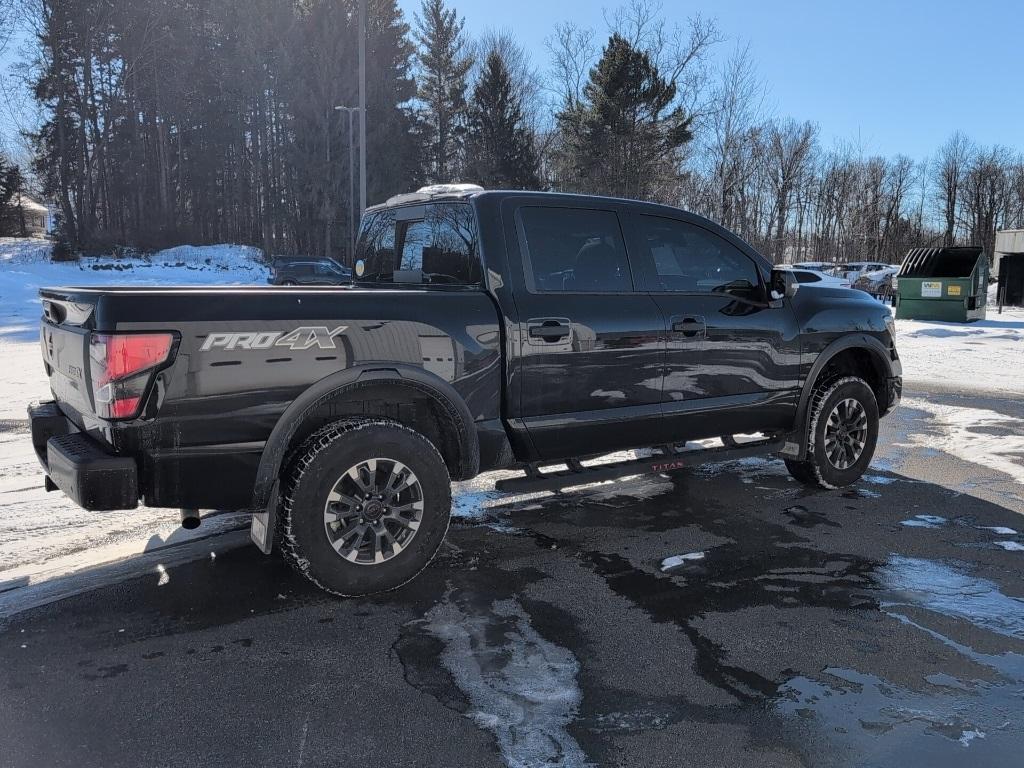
[274, 452]
[852, 341]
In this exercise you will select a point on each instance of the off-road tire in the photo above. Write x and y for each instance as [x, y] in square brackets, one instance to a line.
[316, 467]
[817, 469]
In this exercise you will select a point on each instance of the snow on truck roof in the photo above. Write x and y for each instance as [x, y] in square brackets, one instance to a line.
[431, 191]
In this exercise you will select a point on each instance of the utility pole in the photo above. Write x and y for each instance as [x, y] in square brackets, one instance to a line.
[362, 107]
[351, 111]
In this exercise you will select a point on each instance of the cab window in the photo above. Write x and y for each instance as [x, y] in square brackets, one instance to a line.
[434, 244]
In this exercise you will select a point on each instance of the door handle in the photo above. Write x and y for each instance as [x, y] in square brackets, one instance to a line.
[690, 326]
[549, 330]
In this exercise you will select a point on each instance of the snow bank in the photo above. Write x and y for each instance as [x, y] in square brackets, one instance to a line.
[25, 268]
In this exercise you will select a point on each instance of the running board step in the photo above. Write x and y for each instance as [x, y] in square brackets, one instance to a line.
[669, 460]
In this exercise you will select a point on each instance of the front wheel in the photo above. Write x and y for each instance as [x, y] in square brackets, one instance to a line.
[366, 504]
[841, 434]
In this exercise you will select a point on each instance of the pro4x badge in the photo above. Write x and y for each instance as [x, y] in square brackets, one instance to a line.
[306, 337]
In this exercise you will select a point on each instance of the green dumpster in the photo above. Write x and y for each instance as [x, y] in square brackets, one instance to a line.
[943, 284]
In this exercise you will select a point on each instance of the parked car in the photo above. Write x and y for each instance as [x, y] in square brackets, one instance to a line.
[854, 269]
[880, 283]
[308, 271]
[484, 331]
[820, 266]
[818, 279]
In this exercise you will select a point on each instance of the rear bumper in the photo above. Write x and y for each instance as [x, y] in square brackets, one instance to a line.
[79, 466]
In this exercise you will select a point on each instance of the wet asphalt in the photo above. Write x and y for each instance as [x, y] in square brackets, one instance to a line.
[876, 626]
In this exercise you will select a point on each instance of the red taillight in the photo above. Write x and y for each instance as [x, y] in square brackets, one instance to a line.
[124, 409]
[123, 355]
[121, 368]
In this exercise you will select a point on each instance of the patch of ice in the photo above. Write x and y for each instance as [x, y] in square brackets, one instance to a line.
[469, 505]
[746, 469]
[977, 435]
[677, 560]
[521, 687]
[878, 479]
[968, 736]
[637, 488]
[1010, 546]
[925, 521]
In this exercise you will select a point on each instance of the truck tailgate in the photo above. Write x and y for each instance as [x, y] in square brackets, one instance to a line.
[66, 355]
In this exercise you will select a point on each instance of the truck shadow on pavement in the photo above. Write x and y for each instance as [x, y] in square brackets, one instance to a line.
[727, 614]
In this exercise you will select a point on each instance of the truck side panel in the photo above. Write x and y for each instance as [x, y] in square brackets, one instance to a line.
[236, 371]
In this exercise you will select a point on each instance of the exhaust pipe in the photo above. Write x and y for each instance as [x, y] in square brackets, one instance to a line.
[190, 519]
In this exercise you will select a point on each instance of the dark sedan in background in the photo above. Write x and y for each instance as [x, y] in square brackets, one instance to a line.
[301, 270]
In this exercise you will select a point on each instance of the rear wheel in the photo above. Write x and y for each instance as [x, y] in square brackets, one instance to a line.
[365, 507]
[841, 434]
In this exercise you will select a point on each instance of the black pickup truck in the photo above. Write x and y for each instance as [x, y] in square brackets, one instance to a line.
[483, 330]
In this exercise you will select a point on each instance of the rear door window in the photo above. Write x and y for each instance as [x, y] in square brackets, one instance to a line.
[573, 250]
[427, 245]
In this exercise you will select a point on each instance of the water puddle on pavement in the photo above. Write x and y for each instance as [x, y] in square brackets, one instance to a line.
[951, 592]
[866, 714]
[524, 688]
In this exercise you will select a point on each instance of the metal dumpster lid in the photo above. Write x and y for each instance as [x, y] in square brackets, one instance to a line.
[941, 262]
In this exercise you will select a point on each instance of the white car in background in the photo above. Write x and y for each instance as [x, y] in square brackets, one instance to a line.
[815, 278]
[819, 266]
[855, 269]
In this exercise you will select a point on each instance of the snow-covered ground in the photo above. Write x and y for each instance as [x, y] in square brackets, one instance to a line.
[986, 355]
[43, 536]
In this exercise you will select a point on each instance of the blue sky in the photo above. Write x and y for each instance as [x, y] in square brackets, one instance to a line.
[893, 77]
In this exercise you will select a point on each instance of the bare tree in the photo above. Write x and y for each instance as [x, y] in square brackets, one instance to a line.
[949, 169]
[985, 189]
[735, 136]
[573, 51]
[789, 146]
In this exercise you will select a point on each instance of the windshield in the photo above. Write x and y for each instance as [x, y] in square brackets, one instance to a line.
[433, 244]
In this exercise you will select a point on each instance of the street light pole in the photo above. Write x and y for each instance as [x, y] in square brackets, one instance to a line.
[362, 107]
[351, 176]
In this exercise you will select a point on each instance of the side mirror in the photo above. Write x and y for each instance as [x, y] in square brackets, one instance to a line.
[784, 284]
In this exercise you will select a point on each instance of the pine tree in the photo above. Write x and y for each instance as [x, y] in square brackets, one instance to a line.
[500, 150]
[623, 137]
[444, 64]
[393, 150]
[11, 185]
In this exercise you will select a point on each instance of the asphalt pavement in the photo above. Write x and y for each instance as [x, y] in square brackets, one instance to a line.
[725, 616]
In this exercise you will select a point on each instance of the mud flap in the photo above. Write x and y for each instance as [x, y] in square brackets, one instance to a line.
[261, 530]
